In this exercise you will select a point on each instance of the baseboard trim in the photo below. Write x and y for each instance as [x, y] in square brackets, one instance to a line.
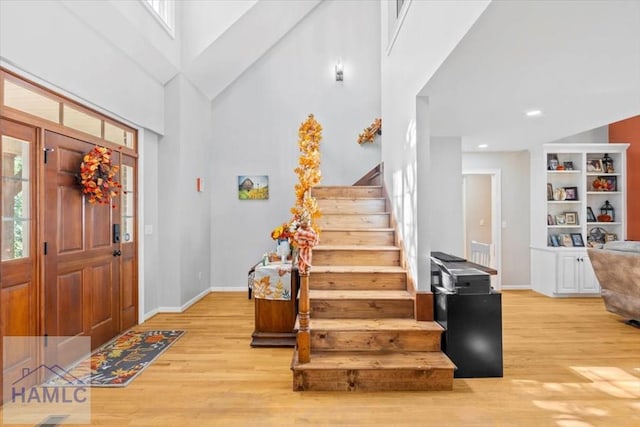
[180, 309]
[228, 289]
[150, 314]
[516, 287]
[195, 299]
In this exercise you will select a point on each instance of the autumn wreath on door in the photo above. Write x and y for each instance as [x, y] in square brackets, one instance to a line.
[98, 176]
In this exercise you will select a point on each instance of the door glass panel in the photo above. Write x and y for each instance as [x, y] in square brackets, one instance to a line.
[82, 121]
[128, 204]
[23, 99]
[16, 221]
[129, 139]
[114, 133]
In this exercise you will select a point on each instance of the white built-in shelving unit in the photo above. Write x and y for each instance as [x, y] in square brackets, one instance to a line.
[562, 200]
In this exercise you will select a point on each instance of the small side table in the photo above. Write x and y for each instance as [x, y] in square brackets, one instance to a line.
[275, 318]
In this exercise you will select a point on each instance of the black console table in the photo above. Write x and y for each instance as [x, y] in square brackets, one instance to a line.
[472, 338]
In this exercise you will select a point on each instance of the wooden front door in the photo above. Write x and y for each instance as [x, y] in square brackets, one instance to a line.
[82, 261]
[18, 284]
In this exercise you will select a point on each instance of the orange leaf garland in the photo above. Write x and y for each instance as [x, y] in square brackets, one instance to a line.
[370, 133]
[308, 171]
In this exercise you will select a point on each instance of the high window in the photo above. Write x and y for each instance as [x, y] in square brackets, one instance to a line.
[164, 11]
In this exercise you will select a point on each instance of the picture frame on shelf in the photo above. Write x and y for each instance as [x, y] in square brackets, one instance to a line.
[551, 220]
[610, 237]
[554, 240]
[594, 165]
[560, 219]
[571, 218]
[605, 183]
[568, 166]
[576, 239]
[571, 193]
[612, 181]
[552, 161]
[549, 191]
[566, 240]
[591, 217]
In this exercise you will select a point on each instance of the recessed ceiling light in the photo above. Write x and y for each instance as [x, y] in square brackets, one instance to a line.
[533, 113]
[483, 146]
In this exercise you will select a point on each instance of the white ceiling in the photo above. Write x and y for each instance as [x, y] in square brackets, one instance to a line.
[577, 61]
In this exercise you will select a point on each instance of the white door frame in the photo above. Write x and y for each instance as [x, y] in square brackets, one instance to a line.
[496, 219]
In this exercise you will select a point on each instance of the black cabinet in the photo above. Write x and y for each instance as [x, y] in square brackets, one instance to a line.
[473, 331]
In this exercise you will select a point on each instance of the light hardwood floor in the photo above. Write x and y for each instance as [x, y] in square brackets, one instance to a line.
[567, 363]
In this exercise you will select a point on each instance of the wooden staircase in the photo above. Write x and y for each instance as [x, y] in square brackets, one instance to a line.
[363, 332]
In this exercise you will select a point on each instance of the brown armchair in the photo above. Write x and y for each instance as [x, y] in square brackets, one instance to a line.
[617, 267]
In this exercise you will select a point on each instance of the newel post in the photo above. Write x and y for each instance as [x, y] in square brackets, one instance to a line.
[303, 339]
[306, 238]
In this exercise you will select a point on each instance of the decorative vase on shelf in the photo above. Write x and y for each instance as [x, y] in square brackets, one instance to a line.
[559, 194]
[283, 249]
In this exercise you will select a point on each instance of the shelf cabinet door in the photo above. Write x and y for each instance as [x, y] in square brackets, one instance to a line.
[589, 282]
[568, 274]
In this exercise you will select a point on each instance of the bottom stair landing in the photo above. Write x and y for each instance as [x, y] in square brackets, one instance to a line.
[373, 371]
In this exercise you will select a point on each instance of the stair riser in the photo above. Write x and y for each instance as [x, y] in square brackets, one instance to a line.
[375, 340]
[361, 309]
[356, 192]
[364, 238]
[354, 221]
[328, 206]
[356, 257]
[373, 380]
[358, 281]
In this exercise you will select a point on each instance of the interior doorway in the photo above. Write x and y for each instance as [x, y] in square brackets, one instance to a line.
[482, 209]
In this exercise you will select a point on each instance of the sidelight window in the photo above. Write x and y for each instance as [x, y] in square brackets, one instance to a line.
[16, 221]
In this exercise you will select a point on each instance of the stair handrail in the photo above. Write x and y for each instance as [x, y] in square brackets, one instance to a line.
[373, 177]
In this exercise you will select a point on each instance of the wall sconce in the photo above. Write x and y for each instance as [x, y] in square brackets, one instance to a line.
[339, 71]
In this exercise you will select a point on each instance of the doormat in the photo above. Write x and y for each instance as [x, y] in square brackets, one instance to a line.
[118, 362]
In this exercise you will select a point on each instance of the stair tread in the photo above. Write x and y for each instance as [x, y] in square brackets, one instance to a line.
[351, 198]
[357, 247]
[355, 213]
[325, 229]
[325, 360]
[373, 324]
[357, 269]
[359, 295]
[347, 186]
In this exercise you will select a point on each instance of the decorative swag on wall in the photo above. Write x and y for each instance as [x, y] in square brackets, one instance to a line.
[369, 134]
[98, 176]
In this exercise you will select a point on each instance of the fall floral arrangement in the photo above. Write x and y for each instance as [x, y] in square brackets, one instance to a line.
[283, 232]
[370, 133]
[98, 176]
[308, 171]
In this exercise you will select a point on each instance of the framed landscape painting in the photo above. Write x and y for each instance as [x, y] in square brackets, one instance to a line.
[253, 187]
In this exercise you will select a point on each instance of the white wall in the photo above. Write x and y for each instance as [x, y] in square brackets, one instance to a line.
[429, 33]
[445, 213]
[149, 197]
[516, 213]
[51, 42]
[256, 120]
[598, 135]
[184, 214]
